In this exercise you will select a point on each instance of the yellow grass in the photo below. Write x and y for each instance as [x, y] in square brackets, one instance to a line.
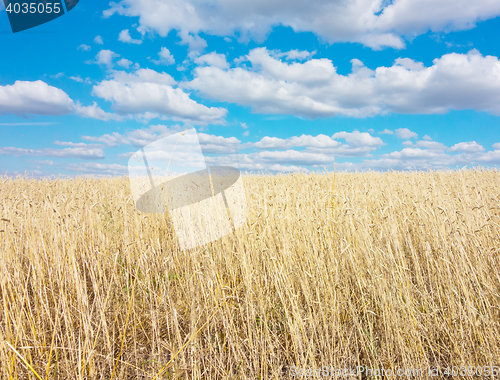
[400, 270]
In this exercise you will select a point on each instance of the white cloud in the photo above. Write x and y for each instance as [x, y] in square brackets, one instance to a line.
[166, 58]
[96, 112]
[213, 59]
[124, 63]
[34, 98]
[246, 133]
[358, 143]
[496, 146]
[210, 144]
[98, 40]
[405, 133]
[195, 43]
[467, 147]
[98, 169]
[320, 141]
[38, 98]
[79, 79]
[88, 153]
[104, 57]
[299, 54]
[137, 138]
[218, 144]
[430, 145]
[357, 139]
[386, 132]
[278, 168]
[374, 23]
[71, 144]
[84, 47]
[124, 36]
[314, 88]
[43, 162]
[432, 157]
[149, 91]
[427, 138]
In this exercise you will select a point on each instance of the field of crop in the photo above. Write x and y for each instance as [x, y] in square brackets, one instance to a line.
[399, 270]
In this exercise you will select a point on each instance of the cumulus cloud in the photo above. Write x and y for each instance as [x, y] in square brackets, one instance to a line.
[124, 36]
[210, 144]
[34, 98]
[386, 132]
[149, 91]
[430, 145]
[98, 40]
[299, 54]
[104, 57]
[212, 59]
[98, 169]
[38, 98]
[124, 63]
[96, 112]
[84, 47]
[468, 147]
[88, 153]
[405, 133]
[314, 88]
[358, 143]
[166, 58]
[374, 23]
[72, 144]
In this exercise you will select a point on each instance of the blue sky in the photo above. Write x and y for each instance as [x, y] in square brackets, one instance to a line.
[290, 85]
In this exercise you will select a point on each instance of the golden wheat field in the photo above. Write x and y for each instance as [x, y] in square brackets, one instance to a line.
[393, 270]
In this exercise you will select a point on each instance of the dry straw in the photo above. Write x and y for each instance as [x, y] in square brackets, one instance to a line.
[401, 273]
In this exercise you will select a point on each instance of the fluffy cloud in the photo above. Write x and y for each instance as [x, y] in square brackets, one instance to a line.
[166, 58]
[314, 88]
[124, 36]
[96, 112]
[124, 63]
[34, 98]
[98, 169]
[467, 147]
[137, 138]
[299, 54]
[218, 144]
[88, 153]
[84, 47]
[212, 59]
[210, 144]
[104, 57]
[374, 23]
[38, 98]
[405, 133]
[386, 132]
[358, 143]
[149, 91]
